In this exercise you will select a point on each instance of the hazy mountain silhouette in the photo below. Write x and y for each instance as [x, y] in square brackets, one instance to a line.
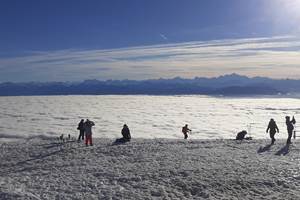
[232, 84]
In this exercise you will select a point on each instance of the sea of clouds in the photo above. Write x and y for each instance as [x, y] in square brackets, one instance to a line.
[146, 116]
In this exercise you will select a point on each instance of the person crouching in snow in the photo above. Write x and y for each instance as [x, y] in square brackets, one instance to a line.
[88, 132]
[126, 133]
[241, 135]
[185, 131]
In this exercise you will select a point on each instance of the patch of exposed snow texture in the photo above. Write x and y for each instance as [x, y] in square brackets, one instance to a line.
[149, 169]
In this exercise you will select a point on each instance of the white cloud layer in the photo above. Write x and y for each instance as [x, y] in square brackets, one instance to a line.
[277, 57]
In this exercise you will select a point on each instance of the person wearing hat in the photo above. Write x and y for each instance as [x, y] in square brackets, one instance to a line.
[290, 128]
[272, 127]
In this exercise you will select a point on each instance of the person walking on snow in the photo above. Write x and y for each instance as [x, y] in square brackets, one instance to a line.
[88, 132]
[81, 130]
[272, 127]
[290, 128]
[185, 131]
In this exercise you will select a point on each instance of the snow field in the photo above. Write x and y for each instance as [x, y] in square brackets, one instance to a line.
[149, 169]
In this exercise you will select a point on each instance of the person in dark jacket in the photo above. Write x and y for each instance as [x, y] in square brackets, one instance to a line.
[126, 133]
[272, 127]
[81, 130]
[241, 135]
[185, 131]
[290, 128]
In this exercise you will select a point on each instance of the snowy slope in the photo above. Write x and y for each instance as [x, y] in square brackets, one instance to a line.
[149, 169]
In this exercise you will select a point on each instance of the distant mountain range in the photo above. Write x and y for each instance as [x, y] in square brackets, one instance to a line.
[227, 85]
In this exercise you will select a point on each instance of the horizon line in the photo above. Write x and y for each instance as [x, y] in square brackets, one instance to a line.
[155, 79]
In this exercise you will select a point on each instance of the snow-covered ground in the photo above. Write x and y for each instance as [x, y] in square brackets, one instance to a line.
[149, 169]
[147, 116]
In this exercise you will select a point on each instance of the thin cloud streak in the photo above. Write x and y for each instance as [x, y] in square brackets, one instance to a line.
[163, 37]
[248, 56]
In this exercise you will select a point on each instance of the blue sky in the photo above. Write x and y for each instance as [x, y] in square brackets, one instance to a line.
[61, 40]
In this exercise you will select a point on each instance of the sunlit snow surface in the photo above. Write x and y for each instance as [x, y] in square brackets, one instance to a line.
[146, 116]
[36, 169]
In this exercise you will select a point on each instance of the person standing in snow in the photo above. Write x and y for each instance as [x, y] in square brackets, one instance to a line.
[81, 130]
[272, 127]
[88, 132]
[185, 131]
[290, 128]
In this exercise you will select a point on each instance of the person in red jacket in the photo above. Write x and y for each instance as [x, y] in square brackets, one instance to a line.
[88, 132]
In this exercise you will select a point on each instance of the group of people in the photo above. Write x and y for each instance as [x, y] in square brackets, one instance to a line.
[272, 129]
[85, 131]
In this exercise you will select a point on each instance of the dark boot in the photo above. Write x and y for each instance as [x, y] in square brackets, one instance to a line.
[273, 140]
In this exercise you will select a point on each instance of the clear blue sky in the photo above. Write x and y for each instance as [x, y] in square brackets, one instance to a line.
[31, 29]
